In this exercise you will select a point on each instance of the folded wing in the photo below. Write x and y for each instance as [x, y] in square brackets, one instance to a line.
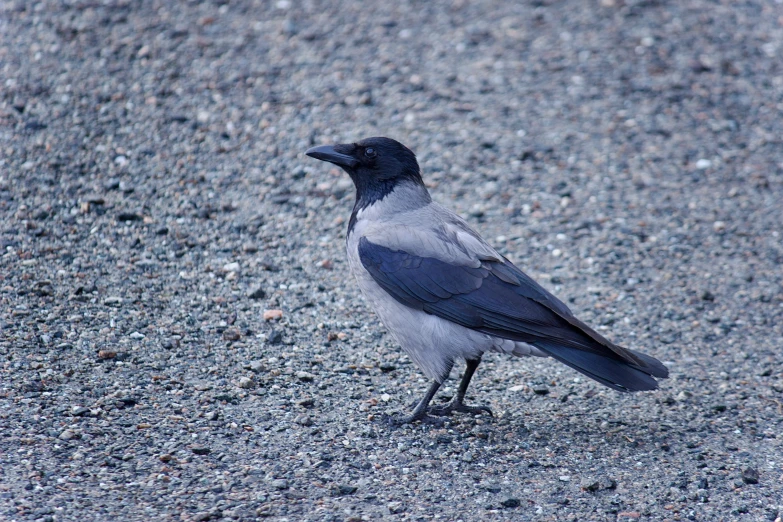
[487, 293]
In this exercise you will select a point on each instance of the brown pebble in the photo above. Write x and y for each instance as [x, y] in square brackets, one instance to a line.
[232, 334]
[272, 314]
[106, 354]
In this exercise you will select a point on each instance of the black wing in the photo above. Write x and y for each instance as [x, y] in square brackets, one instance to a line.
[499, 299]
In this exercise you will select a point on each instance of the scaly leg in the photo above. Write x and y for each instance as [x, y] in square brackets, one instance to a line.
[457, 403]
[420, 411]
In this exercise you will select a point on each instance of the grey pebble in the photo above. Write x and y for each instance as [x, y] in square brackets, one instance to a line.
[541, 390]
[67, 435]
[597, 484]
[343, 489]
[231, 334]
[510, 502]
[256, 366]
[274, 337]
[280, 484]
[128, 216]
[245, 382]
[395, 508]
[257, 293]
[750, 476]
[305, 376]
[304, 420]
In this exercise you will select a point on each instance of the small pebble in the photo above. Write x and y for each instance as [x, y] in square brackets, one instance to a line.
[128, 216]
[258, 293]
[510, 502]
[231, 267]
[395, 507]
[231, 334]
[272, 314]
[67, 435]
[541, 390]
[305, 376]
[280, 484]
[274, 337]
[344, 489]
[304, 420]
[750, 476]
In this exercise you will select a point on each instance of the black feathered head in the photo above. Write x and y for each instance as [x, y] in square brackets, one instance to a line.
[376, 165]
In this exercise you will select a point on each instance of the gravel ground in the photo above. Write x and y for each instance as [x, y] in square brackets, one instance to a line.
[179, 338]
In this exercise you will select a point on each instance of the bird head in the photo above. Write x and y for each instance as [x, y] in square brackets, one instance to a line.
[376, 165]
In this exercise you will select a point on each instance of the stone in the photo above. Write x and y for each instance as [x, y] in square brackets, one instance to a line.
[245, 382]
[258, 293]
[510, 502]
[272, 314]
[305, 376]
[541, 390]
[231, 334]
[750, 476]
[280, 484]
[67, 435]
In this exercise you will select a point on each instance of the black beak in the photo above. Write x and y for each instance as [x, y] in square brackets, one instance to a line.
[328, 153]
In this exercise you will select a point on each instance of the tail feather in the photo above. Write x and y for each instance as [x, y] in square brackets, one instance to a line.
[608, 369]
[652, 365]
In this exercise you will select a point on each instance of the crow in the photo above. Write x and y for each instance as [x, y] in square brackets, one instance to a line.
[445, 294]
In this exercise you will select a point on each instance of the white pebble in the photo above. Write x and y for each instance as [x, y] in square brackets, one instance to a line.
[231, 267]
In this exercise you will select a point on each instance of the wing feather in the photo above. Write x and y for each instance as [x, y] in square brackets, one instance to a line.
[487, 293]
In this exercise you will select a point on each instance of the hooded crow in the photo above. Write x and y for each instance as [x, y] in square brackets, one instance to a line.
[445, 294]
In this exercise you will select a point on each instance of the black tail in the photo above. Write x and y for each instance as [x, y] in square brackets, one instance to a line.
[608, 368]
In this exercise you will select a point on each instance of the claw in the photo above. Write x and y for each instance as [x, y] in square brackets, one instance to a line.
[457, 406]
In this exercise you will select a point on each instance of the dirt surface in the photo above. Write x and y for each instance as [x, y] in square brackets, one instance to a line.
[157, 210]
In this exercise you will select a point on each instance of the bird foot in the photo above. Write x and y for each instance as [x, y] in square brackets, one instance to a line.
[457, 406]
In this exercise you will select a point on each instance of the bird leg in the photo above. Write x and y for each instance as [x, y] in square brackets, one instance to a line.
[457, 403]
[420, 411]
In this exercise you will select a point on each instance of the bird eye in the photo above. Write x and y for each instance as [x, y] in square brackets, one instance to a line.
[369, 152]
